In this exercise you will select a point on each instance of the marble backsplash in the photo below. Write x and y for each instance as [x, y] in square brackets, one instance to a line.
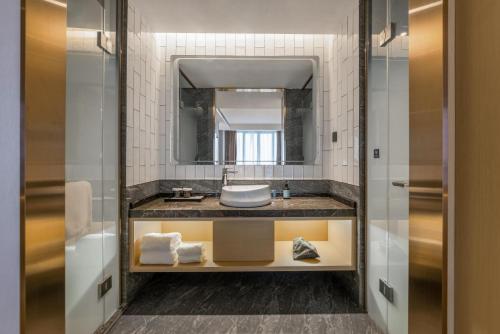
[297, 187]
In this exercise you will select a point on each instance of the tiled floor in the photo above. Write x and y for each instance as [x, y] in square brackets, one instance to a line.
[313, 302]
[242, 324]
[246, 293]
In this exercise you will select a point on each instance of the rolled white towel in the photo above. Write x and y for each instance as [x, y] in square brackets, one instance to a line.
[191, 249]
[192, 258]
[158, 257]
[161, 241]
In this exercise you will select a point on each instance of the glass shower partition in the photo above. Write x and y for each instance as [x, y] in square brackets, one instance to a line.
[388, 166]
[92, 156]
[110, 163]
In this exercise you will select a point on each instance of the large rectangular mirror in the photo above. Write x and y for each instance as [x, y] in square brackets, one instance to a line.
[245, 110]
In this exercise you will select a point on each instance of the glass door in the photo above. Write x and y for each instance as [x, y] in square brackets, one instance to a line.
[92, 203]
[377, 163]
[388, 166]
[84, 216]
[377, 167]
[398, 168]
[110, 163]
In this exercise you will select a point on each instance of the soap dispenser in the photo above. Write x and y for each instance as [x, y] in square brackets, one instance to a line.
[286, 191]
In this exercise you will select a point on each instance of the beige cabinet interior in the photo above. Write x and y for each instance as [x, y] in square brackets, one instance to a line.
[253, 244]
[243, 240]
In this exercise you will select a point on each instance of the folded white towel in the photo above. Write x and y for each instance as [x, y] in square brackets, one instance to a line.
[78, 208]
[158, 257]
[161, 241]
[190, 249]
[192, 258]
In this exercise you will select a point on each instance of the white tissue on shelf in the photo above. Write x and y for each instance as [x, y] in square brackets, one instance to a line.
[161, 241]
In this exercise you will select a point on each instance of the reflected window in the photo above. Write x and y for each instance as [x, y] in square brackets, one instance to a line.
[256, 147]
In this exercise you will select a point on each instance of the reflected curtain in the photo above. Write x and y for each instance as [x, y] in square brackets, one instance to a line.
[279, 157]
[230, 147]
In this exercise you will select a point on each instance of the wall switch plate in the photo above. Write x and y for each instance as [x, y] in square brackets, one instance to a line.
[376, 153]
[386, 290]
[104, 286]
[334, 136]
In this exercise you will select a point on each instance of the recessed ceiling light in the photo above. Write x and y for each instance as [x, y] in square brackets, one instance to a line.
[425, 7]
[57, 3]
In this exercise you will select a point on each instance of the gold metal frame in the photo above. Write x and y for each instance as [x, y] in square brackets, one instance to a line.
[428, 167]
[43, 166]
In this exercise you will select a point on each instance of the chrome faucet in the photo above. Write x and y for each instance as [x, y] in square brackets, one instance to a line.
[226, 171]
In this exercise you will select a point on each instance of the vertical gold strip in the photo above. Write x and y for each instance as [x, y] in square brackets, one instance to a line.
[477, 167]
[427, 307]
[44, 85]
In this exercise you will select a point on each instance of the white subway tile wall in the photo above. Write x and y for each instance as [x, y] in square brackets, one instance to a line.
[149, 114]
[143, 154]
[243, 45]
[341, 159]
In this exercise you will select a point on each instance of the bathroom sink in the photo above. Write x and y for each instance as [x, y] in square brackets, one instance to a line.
[246, 196]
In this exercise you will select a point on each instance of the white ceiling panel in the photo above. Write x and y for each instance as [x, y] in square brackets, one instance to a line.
[245, 16]
[248, 72]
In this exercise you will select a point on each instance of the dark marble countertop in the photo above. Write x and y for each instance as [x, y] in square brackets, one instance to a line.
[210, 207]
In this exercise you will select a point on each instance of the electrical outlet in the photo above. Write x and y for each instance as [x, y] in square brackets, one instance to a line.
[334, 136]
[386, 290]
[104, 286]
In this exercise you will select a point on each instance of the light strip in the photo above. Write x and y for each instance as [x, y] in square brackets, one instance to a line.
[57, 3]
[425, 7]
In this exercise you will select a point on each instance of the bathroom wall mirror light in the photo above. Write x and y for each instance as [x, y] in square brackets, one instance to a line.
[245, 110]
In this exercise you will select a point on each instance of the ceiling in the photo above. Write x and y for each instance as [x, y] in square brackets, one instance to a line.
[250, 110]
[244, 16]
[247, 72]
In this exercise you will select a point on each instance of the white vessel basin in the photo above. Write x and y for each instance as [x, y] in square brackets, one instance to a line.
[246, 196]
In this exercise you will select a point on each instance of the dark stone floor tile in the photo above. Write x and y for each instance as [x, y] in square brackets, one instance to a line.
[245, 293]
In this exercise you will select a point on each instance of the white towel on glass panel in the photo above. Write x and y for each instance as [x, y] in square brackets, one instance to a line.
[78, 203]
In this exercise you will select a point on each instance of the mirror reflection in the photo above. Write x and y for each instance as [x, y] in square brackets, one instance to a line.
[245, 111]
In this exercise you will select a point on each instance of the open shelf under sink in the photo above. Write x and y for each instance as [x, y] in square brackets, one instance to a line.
[335, 240]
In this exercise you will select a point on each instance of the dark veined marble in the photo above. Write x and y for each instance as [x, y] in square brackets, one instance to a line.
[197, 107]
[364, 38]
[246, 293]
[244, 324]
[211, 208]
[344, 191]
[308, 302]
[297, 187]
[299, 111]
[131, 283]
